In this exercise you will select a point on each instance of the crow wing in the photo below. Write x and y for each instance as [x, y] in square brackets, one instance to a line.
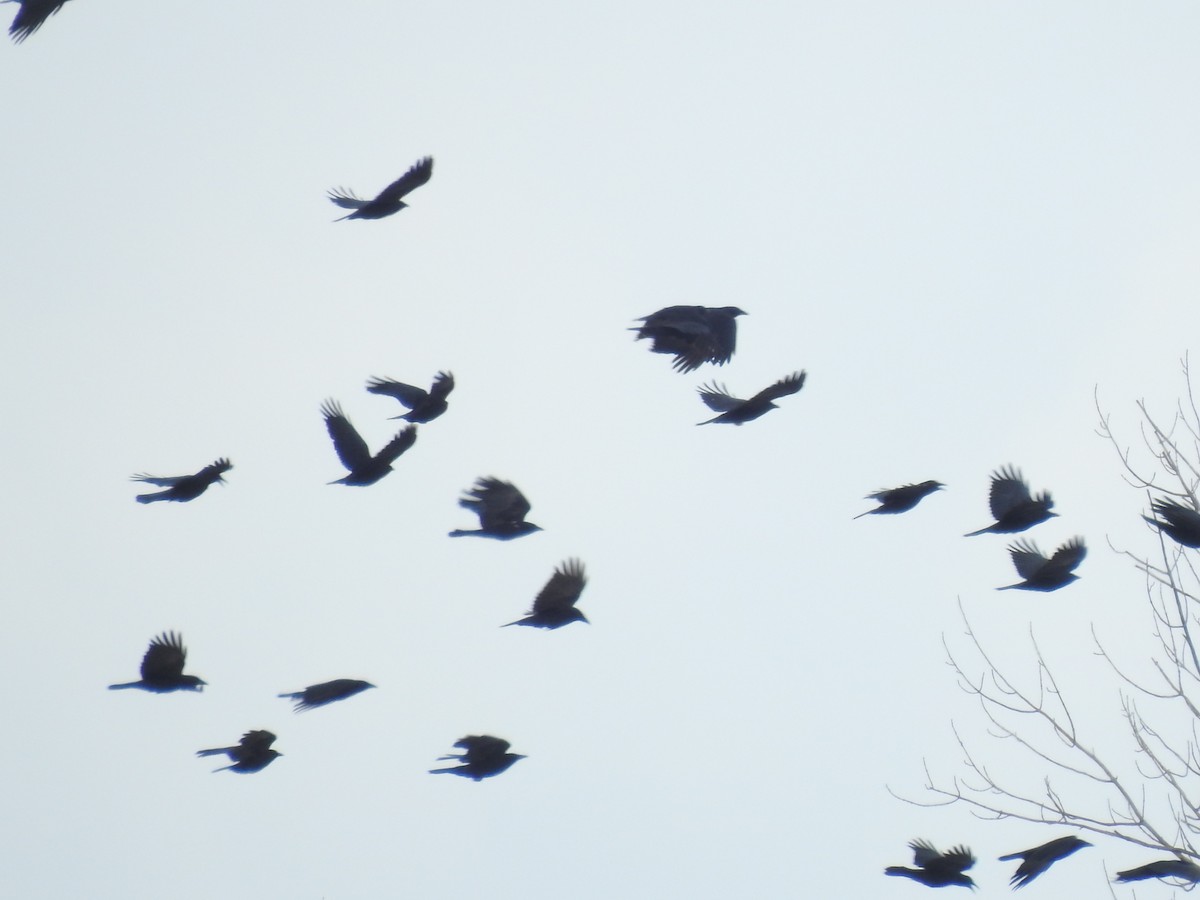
[351, 449]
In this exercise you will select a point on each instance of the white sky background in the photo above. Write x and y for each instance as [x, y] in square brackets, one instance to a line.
[958, 218]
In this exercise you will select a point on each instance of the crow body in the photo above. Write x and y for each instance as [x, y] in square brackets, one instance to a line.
[1013, 507]
[737, 412]
[1045, 573]
[390, 200]
[327, 692]
[182, 488]
[353, 452]
[485, 756]
[937, 869]
[252, 753]
[423, 405]
[901, 499]
[554, 605]
[501, 509]
[162, 668]
[695, 335]
[1037, 860]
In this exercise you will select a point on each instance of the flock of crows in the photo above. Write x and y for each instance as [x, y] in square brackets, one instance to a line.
[694, 336]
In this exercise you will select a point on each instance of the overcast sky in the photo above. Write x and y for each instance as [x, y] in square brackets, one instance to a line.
[961, 219]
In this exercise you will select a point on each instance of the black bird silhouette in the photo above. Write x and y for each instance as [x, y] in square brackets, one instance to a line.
[554, 606]
[694, 334]
[937, 869]
[352, 449]
[1042, 573]
[162, 668]
[901, 499]
[424, 405]
[1182, 522]
[31, 15]
[1013, 507]
[1163, 868]
[390, 200]
[183, 488]
[1036, 861]
[501, 509]
[328, 692]
[252, 753]
[485, 756]
[736, 412]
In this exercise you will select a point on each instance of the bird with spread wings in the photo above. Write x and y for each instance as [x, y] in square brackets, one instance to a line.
[388, 201]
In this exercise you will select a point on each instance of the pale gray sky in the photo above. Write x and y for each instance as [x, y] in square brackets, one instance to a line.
[958, 218]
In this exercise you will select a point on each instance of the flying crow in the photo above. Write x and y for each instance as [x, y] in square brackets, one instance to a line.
[352, 449]
[937, 869]
[554, 606]
[184, 487]
[1013, 507]
[501, 509]
[251, 754]
[901, 499]
[736, 412]
[390, 200]
[1182, 522]
[423, 405]
[31, 15]
[485, 756]
[162, 668]
[1036, 861]
[330, 691]
[1045, 573]
[694, 334]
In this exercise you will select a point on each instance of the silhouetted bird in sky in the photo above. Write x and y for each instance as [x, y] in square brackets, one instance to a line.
[252, 753]
[937, 869]
[1036, 861]
[31, 15]
[501, 509]
[390, 200]
[901, 499]
[485, 756]
[1182, 523]
[162, 668]
[1164, 868]
[554, 606]
[424, 405]
[736, 412]
[352, 449]
[1043, 573]
[328, 692]
[184, 487]
[1013, 507]
[694, 334]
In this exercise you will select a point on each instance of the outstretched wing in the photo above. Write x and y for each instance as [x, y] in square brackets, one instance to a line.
[1027, 558]
[563, 589]
[420, 173]
[160, 482]
[1009, 491]
[31, 15]
[347, 199]
[351, 448]
[443, 384]
[165, 658]
[408, 394]
[717, 397]
[784, 386]
[394, 448]
[1068, 556]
